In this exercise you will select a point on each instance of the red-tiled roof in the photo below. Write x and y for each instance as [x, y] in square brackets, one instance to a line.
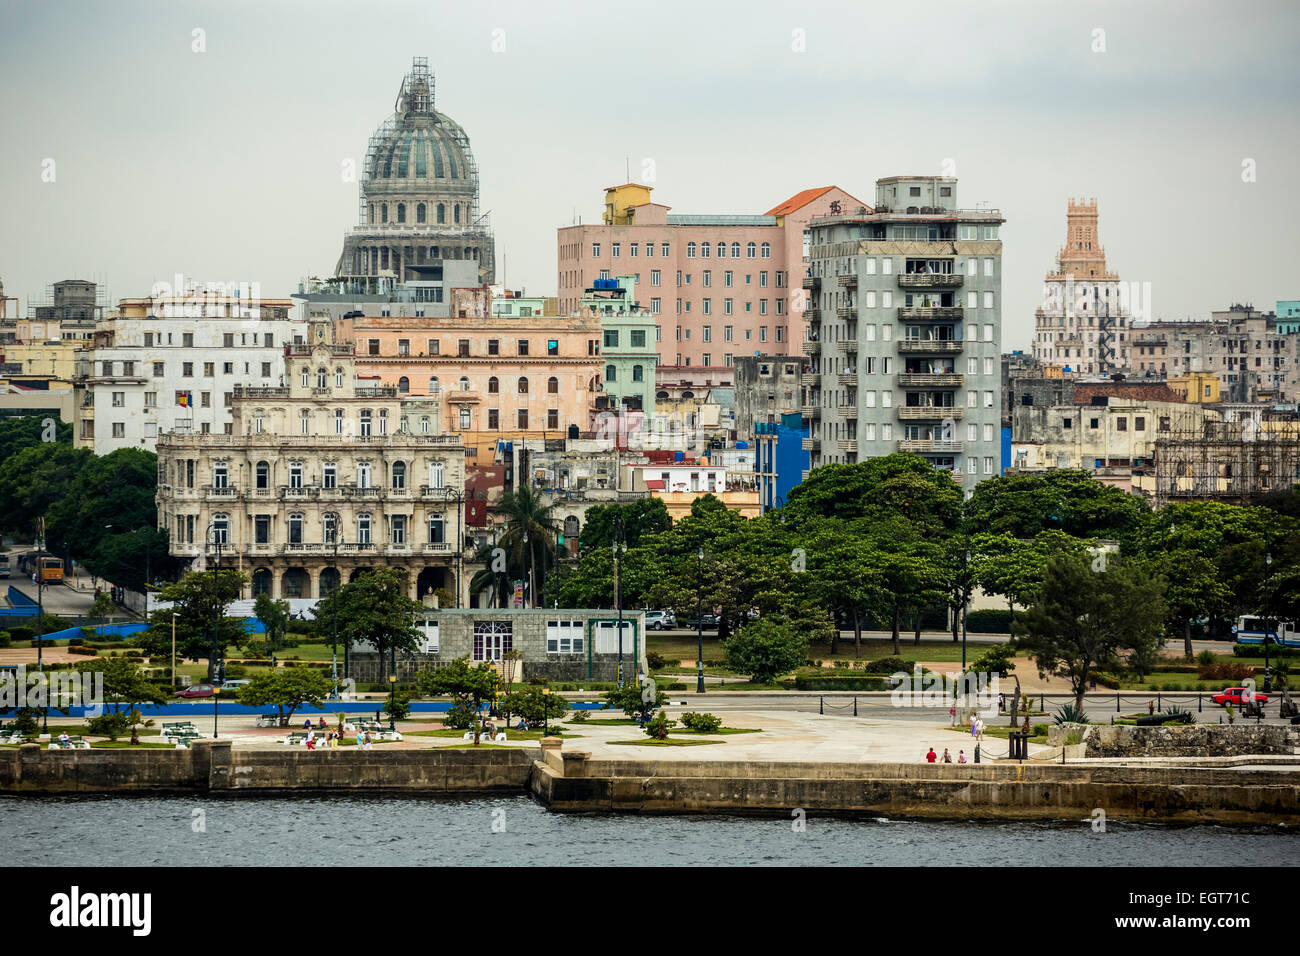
[799, 200]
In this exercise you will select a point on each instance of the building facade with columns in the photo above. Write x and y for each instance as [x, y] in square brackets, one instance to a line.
[318, 480]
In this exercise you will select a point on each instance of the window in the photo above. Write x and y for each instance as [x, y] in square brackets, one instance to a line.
[595, 248]
[437, 530]
[295, 528]
[399, 475]
[157, 369]
[552, 346]
[553, 418]
[119, 399]
[209, 369]
[119, 429]
[365, 423]
[295, 474]
[398, 525]
[363, 520]
[492, 640]
[565, 637]
[767, 250]
[494, 385]
[1139, 423]
[614, 248]
[437, 474]
[494, 419]
[553, 386]
[611, 373]
[187, 369]
[262, 529]
[1121, 423]
[523, 346]
[690, 250]
[654, 275]
[187, 339]
[523, 386]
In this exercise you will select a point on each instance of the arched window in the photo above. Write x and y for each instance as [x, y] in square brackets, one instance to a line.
[401, 212]
[306, 377]
[338, 421]
[221, 529]
[722, 250]
[434, 388]
[363, 528]
[442, 215]
[383, 212]
[295, 528]
[383, 421]
[750, 250]
[456, 212]
[463, 384]
[494, 386]
[403, 385]
[735, 250]
[399, 475]
[437, 474]
[704, 250]
[611, 373]
[262, 580]
[369, 218]
[322, 378]
[553, 386]
[523, 385]
[638, 373]
[420, 212]
[767, 250]
[338, 378]
[329, 527]
[263, 475]
[690, 250]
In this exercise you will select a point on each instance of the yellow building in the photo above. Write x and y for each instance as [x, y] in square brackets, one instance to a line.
[1199, 387]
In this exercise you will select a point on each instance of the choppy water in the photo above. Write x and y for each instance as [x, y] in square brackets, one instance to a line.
[415, 831]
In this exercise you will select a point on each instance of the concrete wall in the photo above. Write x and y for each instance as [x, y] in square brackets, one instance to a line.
[1186, 740]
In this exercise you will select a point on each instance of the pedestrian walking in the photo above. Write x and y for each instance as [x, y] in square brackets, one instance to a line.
[370, 744]
[1002, 703]
[979, 728]
[359, 738]
[972, 723]
[952, 715]
[311, 739]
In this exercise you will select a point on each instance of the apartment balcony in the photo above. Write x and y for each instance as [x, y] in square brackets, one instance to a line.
[229, 491]
[812, 315]
[849, 280]
[811, 412]
[946, 313]
[930, 346]
[812, 380]
[927, 446]
[927, 280]
[847, 312]
[849, 411]
[377, 391]
[803, 475]
[298, 494]
[928, 413]
[444, 492]
[354, 492]
[457, 396]
[811, 444]
[810, 347]
[849, 445]
[847, 378]
[812, 283]
[930, 380]
[847, 346]
[435, 547]
[247, 391]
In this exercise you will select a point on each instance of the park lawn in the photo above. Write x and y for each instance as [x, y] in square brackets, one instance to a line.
[510, 734]
[471, 746]
[1160, 680]
[650, 742]
[126, 744]
[610, 722]
[720, 730]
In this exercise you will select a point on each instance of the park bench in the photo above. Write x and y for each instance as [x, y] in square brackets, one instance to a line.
[499, 738]
[74, 743]
[295, 740]
[268, 720]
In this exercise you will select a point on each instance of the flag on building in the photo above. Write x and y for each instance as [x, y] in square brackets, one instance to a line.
[183, 399]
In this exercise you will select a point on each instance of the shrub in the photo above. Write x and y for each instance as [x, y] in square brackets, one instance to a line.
[1205, 658]
[1103, 680]
[888, 665]
[655, 661]
[21, 632]
[76, 641]
[88, 651]
[659, 725]
[459, 717]
[989, 621]
[398, 706]
[5, 639]
[1073, 737]
[704, 723]
[111, 725]
[1227, 670]
[580, 716]
[1040, 730]
[676, 685]
[1069, 714]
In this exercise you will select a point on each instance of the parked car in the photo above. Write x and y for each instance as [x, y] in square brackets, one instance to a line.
[197, 690]
[234, 684]
[660, 620]
[1234, 695]
[710, 623]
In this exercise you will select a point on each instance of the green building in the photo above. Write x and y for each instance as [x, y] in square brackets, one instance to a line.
[628, 344]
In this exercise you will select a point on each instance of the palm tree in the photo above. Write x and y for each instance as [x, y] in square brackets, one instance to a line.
[528, 518]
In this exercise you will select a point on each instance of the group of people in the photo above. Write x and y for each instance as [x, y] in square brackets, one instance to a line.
[933, 757]
[976, 721]
[333, 738]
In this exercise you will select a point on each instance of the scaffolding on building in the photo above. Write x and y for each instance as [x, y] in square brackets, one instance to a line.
[1234, 461]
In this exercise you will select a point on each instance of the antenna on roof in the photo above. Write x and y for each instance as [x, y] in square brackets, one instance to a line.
[627, 168]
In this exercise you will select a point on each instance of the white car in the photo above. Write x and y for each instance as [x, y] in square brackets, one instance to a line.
[660, 620]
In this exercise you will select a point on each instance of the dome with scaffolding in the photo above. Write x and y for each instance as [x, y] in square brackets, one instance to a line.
[419, 185]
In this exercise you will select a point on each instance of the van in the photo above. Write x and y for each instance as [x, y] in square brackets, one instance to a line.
[660, 620]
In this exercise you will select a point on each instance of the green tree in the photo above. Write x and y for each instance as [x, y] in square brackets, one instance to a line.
[18, 432]
[1070, 501]
[528, 516]
[274, 615]
[286, 689]
[35, 479]
[1085, 619]
[765, 649]
[124, 682]
[468, 686]
[636, 698]
[601, 523]
[199, 601]
[534, 705]
[375, 610]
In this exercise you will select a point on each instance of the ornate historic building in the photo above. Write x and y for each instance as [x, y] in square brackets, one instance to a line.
[1083, 325]
[419, 195]
[320, 478]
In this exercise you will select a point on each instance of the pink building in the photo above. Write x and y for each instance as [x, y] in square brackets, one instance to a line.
[720, 286]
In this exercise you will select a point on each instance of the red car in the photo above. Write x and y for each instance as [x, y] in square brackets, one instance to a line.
[1233, 695]
[197, 690]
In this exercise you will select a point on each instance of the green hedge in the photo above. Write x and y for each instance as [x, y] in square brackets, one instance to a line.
[989, 621]
[838, 682]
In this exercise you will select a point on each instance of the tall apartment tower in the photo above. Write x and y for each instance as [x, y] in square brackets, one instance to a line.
[905, 331]
[1082, 325]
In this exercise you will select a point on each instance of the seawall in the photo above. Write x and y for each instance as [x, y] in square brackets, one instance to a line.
[573, 782]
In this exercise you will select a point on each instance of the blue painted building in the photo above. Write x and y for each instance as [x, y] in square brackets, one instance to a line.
[779, 458]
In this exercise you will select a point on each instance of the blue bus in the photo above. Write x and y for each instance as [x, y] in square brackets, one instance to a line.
[1251, 629]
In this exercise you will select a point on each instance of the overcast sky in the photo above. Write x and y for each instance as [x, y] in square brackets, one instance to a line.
[226, 164]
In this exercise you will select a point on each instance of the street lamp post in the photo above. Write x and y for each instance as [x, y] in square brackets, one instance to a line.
[965, 601]
[40, 621]
[546, 711]
[334, 638]
[392, 692]
[1268, 678]
[216, 617]
[699, 624]
[527, 590]
[173, 674]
